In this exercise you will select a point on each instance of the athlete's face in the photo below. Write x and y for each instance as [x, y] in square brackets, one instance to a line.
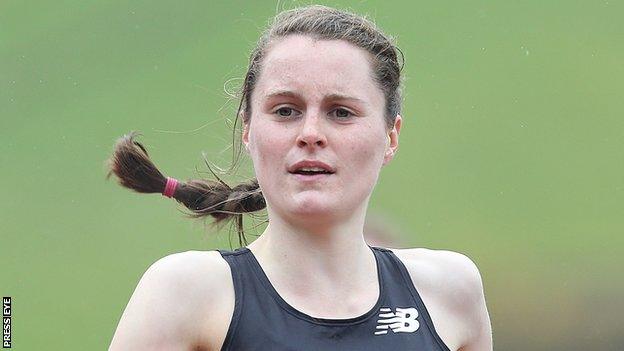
[317, 100]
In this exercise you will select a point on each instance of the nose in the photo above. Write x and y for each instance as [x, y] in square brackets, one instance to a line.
[311, 133]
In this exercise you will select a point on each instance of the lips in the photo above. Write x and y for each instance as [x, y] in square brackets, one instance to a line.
[298, 167]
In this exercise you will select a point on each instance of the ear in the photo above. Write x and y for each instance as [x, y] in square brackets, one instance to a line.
[392, 145]
[245, 136]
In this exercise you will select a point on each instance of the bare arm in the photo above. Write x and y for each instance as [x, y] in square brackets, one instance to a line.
[168, 306]
[477, 319]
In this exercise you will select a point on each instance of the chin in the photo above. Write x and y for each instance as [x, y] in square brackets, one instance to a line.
[312, 205]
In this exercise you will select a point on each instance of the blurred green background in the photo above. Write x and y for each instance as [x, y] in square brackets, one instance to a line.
[512, 152]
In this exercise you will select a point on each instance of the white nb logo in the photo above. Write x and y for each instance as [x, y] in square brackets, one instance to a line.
[401, 321]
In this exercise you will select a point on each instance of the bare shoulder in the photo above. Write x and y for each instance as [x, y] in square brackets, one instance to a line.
[172, 302]
[190, 269]
[451, 287]
[444, 270]
[197, 277]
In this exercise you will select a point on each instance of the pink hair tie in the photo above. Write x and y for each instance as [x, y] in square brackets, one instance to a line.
[170, 187]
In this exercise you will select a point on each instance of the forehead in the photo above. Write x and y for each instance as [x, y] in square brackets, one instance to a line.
[312, 67]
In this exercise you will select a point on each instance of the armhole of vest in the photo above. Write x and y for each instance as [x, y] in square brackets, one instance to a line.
[238, 299]
[412, 288]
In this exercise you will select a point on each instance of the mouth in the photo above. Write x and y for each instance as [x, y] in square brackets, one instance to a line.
[311, 170]
[311, 176]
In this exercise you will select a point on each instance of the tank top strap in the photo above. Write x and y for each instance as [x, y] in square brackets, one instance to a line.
[237, 269]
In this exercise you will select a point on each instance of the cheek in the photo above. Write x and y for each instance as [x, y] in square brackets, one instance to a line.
[366, 161]
[365, 151]
[268, 148]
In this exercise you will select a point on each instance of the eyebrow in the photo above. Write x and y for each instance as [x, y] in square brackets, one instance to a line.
[332, 96]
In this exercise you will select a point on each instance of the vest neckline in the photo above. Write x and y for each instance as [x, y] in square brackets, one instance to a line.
[317, 320]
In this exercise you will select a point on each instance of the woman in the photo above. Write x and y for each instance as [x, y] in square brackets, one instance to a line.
[320, 109]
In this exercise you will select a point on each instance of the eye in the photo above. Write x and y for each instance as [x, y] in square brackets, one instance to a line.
[342, 113]
[285, 112]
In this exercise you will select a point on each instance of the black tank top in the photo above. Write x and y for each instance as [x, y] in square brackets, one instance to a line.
[262, 320]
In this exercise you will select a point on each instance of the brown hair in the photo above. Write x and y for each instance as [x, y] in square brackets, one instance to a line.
[130, 161]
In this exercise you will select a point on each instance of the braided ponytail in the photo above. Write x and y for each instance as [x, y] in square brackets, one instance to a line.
[131, 164]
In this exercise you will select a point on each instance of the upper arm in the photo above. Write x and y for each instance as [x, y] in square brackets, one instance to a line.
[468, 299]
[169, 300]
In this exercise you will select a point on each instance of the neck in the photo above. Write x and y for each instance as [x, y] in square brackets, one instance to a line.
[321, 255]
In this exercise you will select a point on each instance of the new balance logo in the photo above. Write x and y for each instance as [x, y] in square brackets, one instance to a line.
[403, 320]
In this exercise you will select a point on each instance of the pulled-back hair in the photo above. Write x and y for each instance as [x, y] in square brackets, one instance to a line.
[132, 165]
